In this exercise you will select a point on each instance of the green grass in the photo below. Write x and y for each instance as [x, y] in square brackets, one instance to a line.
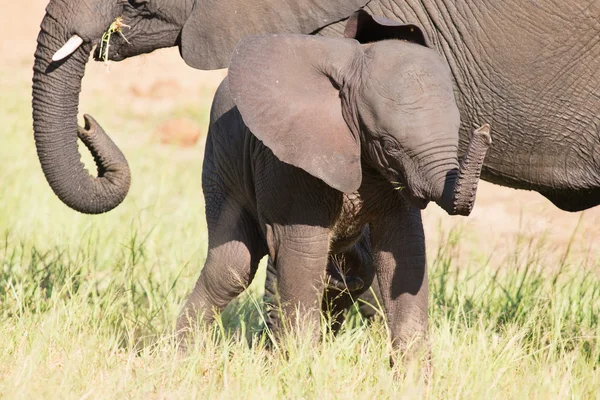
[88, 303]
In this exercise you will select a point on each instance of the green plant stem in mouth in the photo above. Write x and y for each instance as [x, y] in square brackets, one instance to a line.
[117, 26]
[397, 186]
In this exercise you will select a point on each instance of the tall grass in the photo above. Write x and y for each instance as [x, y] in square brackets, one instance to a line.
[87, 304]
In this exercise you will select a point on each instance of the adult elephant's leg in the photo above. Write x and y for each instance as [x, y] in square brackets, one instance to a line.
[235, 249]
[400, 264]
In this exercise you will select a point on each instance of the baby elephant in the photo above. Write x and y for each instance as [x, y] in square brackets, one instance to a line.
[310, 140]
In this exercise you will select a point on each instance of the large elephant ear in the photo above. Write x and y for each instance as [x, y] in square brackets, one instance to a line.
[215, 26]
[286, 88]
[366, 28]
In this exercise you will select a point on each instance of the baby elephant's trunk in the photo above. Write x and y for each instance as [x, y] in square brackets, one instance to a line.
[460, 186]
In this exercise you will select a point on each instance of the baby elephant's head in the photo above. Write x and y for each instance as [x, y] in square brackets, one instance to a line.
[326, 105]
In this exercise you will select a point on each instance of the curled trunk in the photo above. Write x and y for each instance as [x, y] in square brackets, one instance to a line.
[56, 87]
[460, 186]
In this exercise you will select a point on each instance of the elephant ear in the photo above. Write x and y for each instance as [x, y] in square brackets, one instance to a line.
[215, 26]
[286, 88]
[366, 28]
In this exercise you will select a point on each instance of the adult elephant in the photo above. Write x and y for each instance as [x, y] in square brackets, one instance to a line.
[530, 68]
[204, 30]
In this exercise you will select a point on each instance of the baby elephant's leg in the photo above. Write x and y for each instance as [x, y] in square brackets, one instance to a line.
[235, 249]
[296, 211]
[300, 260]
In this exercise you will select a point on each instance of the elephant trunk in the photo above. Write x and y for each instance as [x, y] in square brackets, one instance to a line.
[460, 186]
[56, 87]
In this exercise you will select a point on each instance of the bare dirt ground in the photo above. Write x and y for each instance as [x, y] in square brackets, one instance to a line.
[161, 80]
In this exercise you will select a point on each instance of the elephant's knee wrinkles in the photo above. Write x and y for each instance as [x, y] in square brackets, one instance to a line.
[226, 281]
[305, 244]
[223, 289]
[304, 254]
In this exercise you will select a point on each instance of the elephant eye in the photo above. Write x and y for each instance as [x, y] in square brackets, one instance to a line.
[141, 8]
[137, 3]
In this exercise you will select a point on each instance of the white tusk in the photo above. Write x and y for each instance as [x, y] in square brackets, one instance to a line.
[69, 47]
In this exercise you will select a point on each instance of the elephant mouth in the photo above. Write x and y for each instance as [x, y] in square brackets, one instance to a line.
[399, 184]
[115, 51]
[114, 44]
[120, 47]
[111, 57]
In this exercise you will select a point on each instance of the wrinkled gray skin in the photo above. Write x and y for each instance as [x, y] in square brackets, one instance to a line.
[306, 144]
[532, 70]
[529, 69]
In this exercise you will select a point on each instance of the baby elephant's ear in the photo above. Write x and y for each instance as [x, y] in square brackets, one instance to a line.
[365, 28]
[286, 87]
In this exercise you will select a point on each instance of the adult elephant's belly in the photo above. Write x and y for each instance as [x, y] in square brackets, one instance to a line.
[548, 145]
[536, 80]
[531, 69]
